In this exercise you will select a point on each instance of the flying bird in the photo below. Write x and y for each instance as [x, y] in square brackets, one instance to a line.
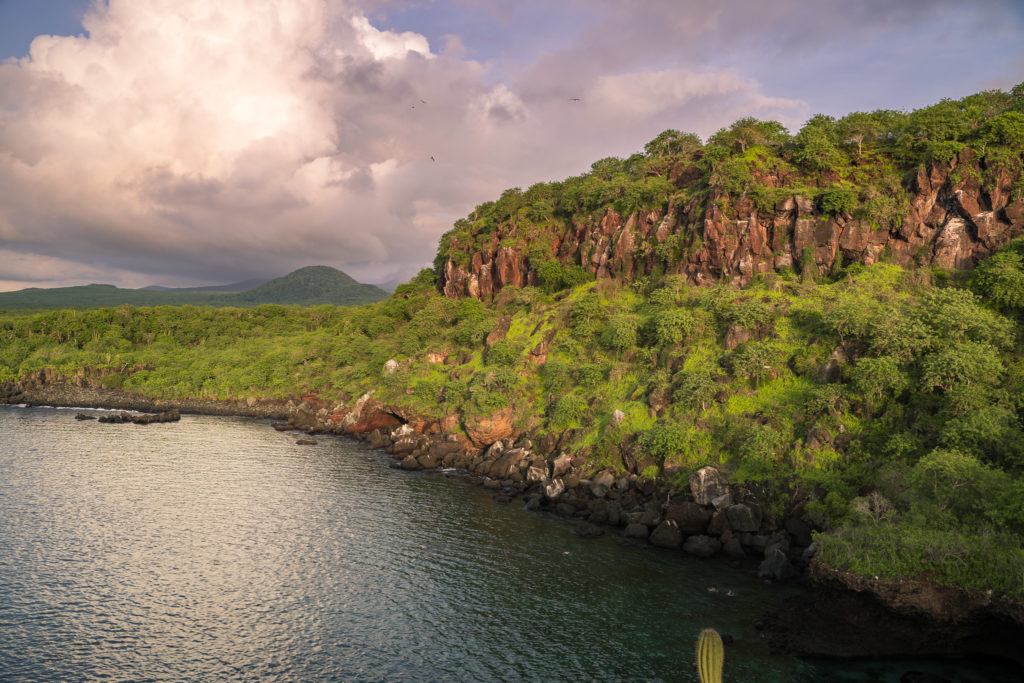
[423, 101]
[575, 99]
[432, 158]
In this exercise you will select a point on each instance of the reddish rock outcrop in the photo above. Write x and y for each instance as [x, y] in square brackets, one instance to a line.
[953, 220]
[484, 431]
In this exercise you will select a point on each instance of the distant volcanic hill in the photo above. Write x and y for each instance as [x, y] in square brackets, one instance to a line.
[313, 285]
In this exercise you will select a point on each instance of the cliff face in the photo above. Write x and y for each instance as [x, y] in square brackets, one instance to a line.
[954, 219]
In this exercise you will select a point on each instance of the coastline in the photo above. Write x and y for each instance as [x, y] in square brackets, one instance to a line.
[846, 615]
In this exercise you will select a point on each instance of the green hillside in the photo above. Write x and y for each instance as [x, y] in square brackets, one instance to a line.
[312, 285]
[309, 286]
[882, 404]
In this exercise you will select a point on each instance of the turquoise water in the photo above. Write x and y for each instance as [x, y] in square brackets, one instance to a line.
[218, 549]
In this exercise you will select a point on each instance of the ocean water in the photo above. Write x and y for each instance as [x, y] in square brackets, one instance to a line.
[218, 549]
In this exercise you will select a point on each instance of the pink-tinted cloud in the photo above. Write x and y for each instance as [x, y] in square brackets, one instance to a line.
[191, 142]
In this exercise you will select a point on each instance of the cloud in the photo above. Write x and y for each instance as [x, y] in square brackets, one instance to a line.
[189, 142]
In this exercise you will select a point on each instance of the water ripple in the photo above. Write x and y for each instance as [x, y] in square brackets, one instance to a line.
[218, 549]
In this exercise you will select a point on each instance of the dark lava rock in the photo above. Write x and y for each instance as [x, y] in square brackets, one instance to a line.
[706, 484]
[83, 416]
[799, 530]
[702, 546]
[588, 530]
[281, 427]
[691, 518]
[636, 530]
[667, 535]
[306, 442]
[743, 517]
[734, 549]
[776, 566]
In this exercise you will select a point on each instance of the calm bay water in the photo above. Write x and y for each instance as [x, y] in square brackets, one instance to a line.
[218, 549]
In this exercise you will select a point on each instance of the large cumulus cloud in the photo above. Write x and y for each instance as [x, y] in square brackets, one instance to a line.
[187, 141]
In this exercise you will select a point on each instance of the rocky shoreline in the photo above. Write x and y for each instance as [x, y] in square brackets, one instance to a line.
[845, 616]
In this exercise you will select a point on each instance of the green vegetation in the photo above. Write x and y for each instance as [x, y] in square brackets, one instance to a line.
[885, 406]
[307, 287]
[863, 166]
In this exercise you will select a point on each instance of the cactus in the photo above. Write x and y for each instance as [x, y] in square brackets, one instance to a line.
[710, 656]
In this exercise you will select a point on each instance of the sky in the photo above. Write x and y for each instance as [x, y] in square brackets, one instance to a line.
[189, 142]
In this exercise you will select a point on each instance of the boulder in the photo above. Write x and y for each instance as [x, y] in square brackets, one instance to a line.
[737, 335]
[561, 465]
[719, 523]
[535, 473]
[706, 484]
[723, 501]
[798, 530]
[410, 463]
[428, 461]
[667, 535]
[506, 463]
[733, 549]
[376, 439]
[404, 431]
[743, 517]
[565, 509]
[390, 366]
[636, 530]
[690, 517]
[702, 546]
[598, 511]
[553, 488]
[776, 566]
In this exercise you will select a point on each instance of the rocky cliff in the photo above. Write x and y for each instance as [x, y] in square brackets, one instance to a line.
[959, 212]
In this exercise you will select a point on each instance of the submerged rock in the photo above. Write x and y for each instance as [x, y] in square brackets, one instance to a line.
[588, 530]
[702, 546]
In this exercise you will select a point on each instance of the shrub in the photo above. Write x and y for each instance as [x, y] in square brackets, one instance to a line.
[955, 482]
[879, 378]
[1000, 279]
[568, 412]
[838, 199]
[504, 352]
[555, 376]
[591, 375]
[758, 361]
[750, 313]
[963, 363]
[956, 315]
[695, 389]
[620, 334]
[673, 326]
[666, 440]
